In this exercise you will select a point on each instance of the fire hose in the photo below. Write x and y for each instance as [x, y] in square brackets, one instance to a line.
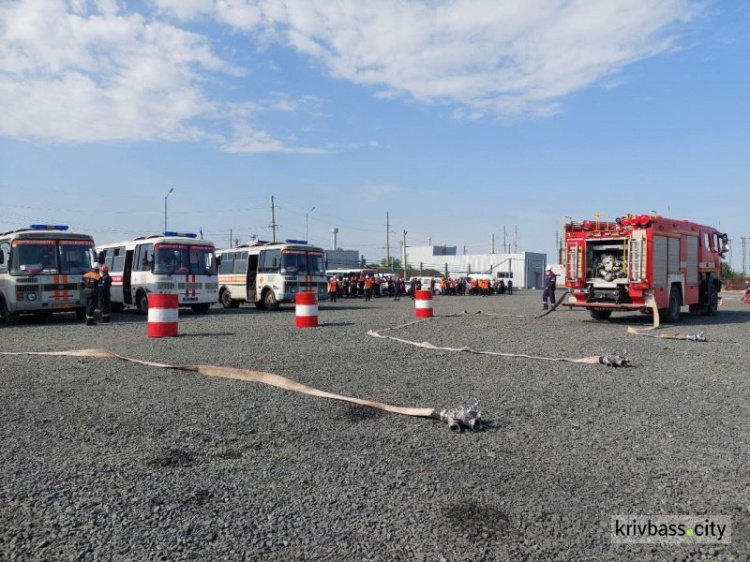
[616, 359]
[650, 303]
[467, 416]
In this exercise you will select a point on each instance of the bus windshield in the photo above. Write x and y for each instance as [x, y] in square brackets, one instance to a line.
[173, 259]
[202, 260]
[32, 257]
[76, 256]
[298, 262]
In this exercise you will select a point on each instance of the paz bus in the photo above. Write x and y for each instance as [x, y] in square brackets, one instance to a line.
[267, 273]
[167, 263]
[41, 269]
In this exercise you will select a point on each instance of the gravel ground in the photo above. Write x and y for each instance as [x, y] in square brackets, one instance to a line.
[103, 459]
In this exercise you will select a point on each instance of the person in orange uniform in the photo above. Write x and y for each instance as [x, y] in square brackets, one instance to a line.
[333, 289]
[368, 287]
[91, 282]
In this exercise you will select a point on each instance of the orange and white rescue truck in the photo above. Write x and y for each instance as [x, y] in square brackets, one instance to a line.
[643, 262]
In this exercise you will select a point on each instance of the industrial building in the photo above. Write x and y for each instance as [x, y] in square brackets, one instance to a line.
[526, 269]
[342, 259]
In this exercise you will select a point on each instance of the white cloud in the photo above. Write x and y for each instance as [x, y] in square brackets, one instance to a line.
[87, 71]
[375, 192]
[488, 56]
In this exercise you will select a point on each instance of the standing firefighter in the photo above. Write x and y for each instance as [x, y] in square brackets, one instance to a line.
[91, 282]
[548, 296]
[105, 292]
[333, 289]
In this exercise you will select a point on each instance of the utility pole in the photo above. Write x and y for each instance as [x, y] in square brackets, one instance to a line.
[231, 238]
[405, 233]
[492, 243]
[273, 220]
[744, 256]
[388, 242]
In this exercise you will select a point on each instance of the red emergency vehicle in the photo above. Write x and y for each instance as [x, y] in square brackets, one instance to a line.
[641, 262]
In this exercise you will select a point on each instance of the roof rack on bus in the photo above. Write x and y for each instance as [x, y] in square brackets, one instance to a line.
[256, 243]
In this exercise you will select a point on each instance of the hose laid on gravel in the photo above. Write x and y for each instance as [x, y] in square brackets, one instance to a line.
[616, 359]
[457, 418]
[699, 337]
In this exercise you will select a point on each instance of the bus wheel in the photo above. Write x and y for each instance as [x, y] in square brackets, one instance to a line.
[141, 301]
[260, 305]
[201, 308]
[227, 301]
[11, 318]
[269, 300]
[600, 314]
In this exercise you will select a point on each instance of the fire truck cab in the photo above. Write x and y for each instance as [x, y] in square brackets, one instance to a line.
[641, 262]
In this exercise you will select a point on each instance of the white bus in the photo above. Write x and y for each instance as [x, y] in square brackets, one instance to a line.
[267, 274]
[41, 269]
[168, 263]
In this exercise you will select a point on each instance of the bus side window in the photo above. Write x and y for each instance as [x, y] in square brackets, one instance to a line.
[226, 262]
[5, 252]
[144, 259]
[240, 263]
[271, 261]
[118, 260]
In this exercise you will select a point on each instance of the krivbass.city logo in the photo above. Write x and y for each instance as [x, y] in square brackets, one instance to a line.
[671, 529]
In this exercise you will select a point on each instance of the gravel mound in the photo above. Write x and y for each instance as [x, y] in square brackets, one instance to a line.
[107, 459]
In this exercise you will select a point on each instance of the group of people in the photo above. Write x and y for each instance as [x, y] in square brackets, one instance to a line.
[367, 286]
[97, 288]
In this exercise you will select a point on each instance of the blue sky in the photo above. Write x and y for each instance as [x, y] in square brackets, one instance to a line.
[457, 118]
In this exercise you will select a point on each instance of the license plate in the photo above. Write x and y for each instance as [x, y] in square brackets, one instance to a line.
[62, 305]
[190, 299]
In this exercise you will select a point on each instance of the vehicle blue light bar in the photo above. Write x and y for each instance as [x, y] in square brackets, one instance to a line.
[49, 226]
[296, 241]
[183, 234]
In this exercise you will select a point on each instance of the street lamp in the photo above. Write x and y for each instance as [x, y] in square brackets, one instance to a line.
[171, 189]
[307, 224]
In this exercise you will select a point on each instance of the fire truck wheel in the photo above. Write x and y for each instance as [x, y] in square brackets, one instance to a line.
[672, 314]
[600, 314]
[712, 301]
[269, 300]
[141, 302]
[227, 301]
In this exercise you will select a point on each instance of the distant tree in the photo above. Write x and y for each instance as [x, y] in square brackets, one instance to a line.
[395, 263]
[728, 273]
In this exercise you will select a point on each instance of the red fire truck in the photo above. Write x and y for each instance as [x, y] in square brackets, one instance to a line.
[642, 262]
